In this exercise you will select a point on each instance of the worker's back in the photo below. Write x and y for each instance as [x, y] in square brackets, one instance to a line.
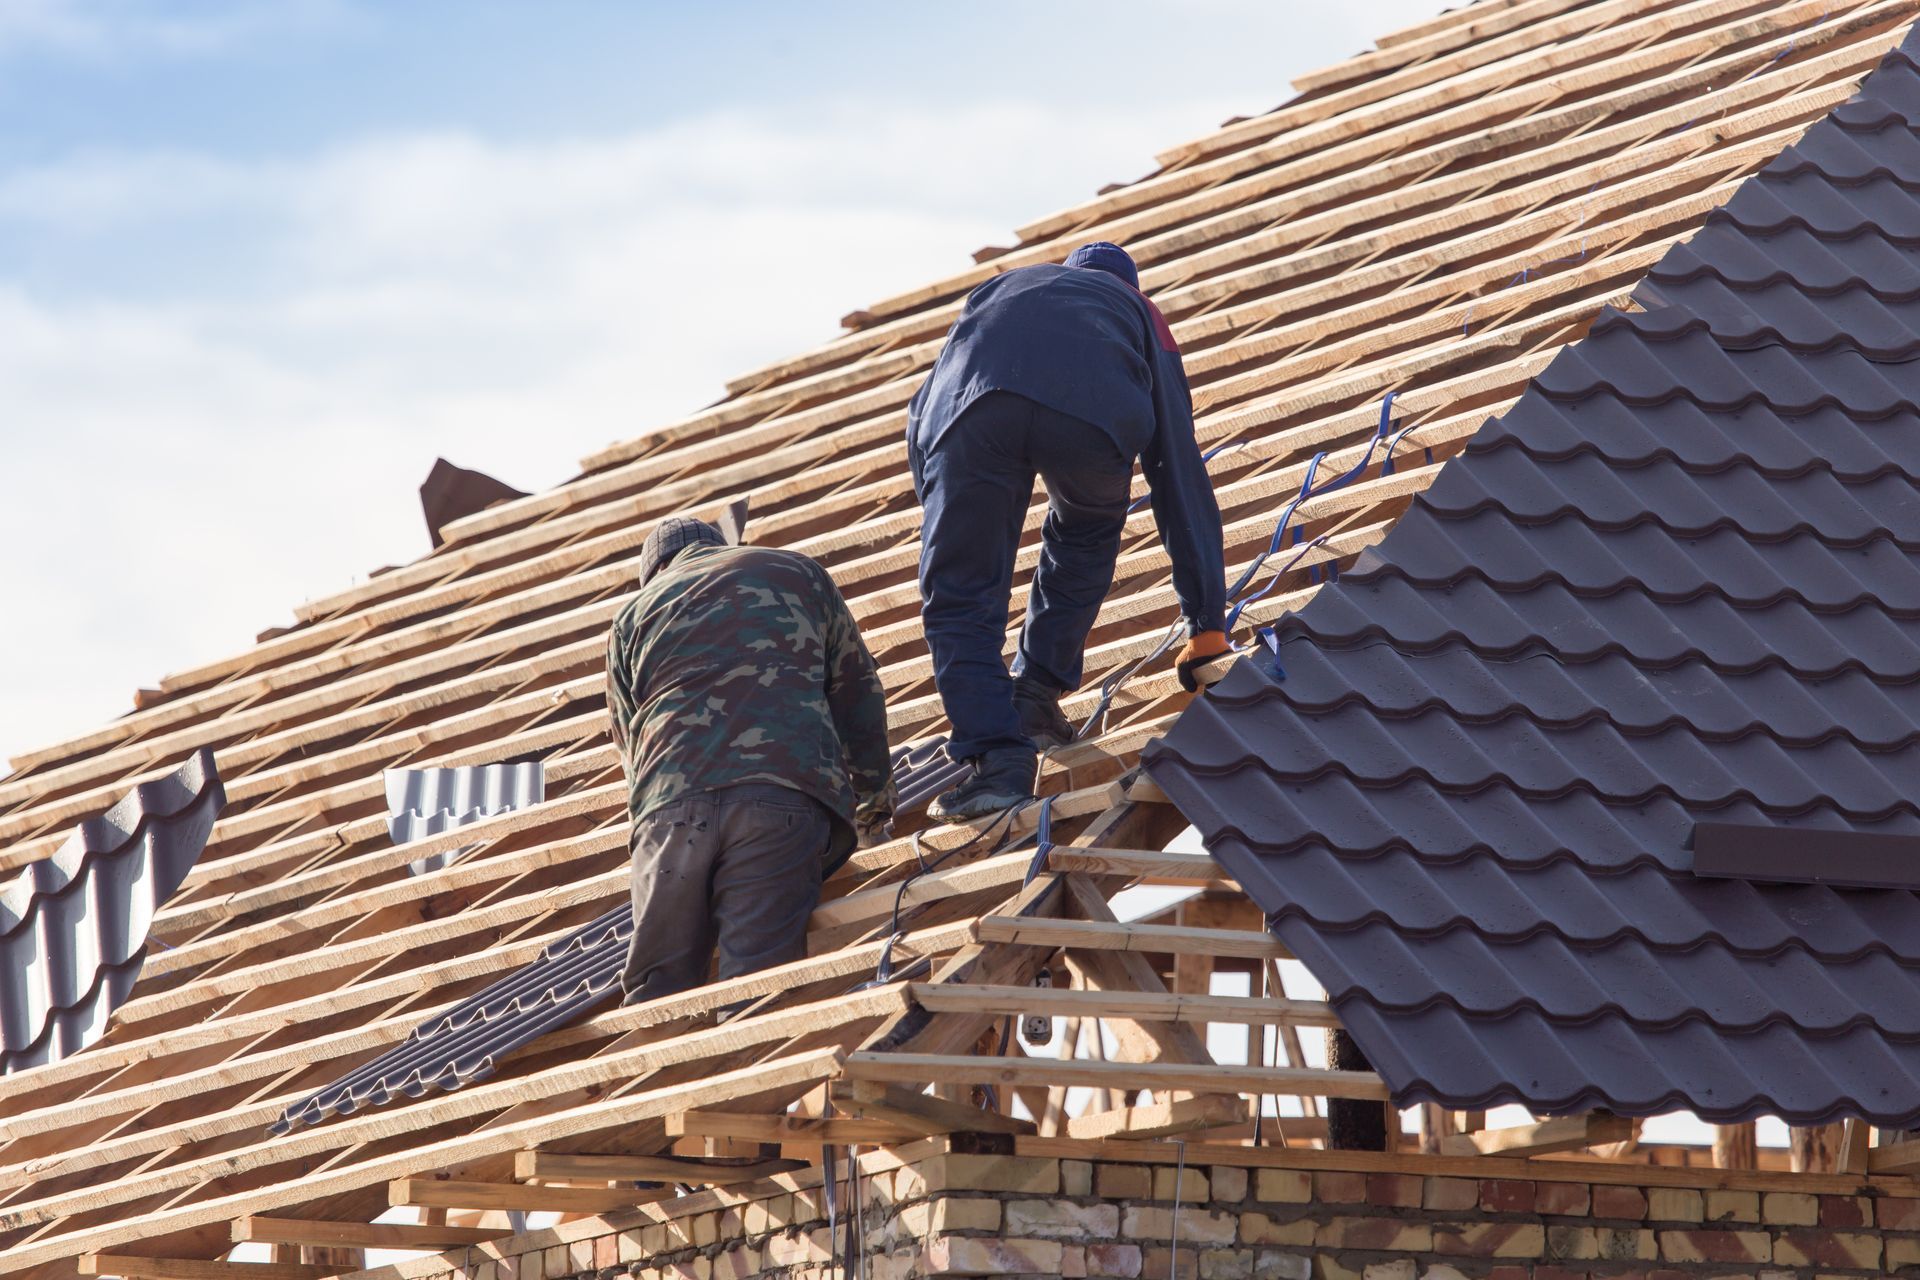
[726, 670]
[1078, 341]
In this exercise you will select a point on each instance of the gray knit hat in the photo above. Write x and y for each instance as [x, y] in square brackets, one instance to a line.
[672, 536]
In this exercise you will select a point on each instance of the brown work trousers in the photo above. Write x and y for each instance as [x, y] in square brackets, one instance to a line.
[740, 867]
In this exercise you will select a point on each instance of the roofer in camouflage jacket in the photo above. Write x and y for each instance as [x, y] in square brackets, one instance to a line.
[753, 728]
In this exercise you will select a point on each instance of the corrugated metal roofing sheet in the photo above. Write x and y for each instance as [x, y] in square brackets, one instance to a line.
[426, 802]
[1676, 583]
[573, 977]
[73, 926]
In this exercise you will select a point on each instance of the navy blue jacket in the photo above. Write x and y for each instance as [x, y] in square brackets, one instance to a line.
[1082, 342]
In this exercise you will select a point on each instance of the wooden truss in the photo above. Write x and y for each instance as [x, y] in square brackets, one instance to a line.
[1434, 219]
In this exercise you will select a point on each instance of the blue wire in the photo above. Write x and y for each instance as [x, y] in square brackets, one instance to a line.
[1205, 458]
[1308, 490]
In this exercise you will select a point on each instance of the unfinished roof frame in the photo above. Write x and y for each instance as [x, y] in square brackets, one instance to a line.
[1365, 239]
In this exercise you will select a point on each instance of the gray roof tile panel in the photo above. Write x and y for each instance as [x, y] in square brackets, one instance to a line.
[1824, 440]
[1679, 582]
[1712, 704]
[427, 802]
[573, 977]
[73, 926]
[1651, 987]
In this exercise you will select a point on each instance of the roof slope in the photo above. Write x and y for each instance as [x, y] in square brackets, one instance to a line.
[1677, 582]
[1437, 218]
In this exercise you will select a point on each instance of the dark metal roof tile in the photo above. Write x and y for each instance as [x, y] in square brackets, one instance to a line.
[1627, 978]
[73, 926]
[1711, 704]
[1852, 155]
[1551, 619]
[1676, 584]
[1514, 555]
[1610, 1062]
[1626, 436]
[1852, 319]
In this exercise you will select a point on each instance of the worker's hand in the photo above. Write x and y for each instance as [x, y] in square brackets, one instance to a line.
[873, 818]
[1203, 648]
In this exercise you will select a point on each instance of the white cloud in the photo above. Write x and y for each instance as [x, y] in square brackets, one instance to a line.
[184, 463]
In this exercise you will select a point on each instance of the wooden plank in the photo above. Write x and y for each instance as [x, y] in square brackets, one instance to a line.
[401, 987]
[1898, 1157]
[1159, 1119]
[1611, 55]
[878, 903]
[1122, 971]
[1143, 865]
[521, 1196]
[364, 1235]
[907, 1108]
[1561, 1133]
[1396, 161]
[1855, 1143]
[1198, 1077]
[138, 1268]
[1607, 1172]
[613, 1068]
[1404, 46]
[1097, 935]
[1139, 1006]
[563, 1166]
[828, 1131]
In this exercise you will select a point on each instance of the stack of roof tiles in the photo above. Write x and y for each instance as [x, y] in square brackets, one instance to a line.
[1676, 583]
[1438, 217]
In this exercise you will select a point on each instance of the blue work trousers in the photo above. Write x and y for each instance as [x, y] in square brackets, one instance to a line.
[975, 485]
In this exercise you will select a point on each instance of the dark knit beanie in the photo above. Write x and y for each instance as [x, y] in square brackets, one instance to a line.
[1105, 256]
[672, 536]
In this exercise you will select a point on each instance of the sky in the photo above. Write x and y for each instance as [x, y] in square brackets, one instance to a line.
[261, 263]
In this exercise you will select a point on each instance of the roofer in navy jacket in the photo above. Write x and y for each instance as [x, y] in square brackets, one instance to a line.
[1071, 373]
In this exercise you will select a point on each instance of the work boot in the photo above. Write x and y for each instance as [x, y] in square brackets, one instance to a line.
[1000, 779]
[1041, 719]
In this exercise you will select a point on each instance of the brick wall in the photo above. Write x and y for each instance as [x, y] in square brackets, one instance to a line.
[978, 1215]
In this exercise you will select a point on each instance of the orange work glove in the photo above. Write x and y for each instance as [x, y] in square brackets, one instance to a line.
[1202, 648]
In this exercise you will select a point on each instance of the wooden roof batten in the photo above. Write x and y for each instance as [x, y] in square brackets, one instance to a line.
[1435, 218]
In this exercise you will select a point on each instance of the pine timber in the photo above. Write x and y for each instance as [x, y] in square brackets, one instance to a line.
[790, 1129]
[909, 1109]
[1159, 1119]
[1201, 1077]
[1548, 1169]
[1140, 1006]
[364, 1235]
[141, 1268]
[1564, 1133]
[1173, 939]
[526, 1197]
[560, 1166]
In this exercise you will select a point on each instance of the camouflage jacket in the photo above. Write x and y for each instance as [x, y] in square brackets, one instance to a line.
[743, 664]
